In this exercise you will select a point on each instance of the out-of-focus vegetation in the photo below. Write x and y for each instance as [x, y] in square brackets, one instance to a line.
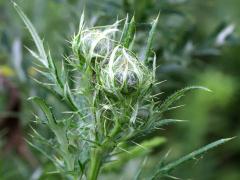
[197, 42]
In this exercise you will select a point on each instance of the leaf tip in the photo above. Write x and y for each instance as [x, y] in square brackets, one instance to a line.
[157, 18]
[14, 3]
[32, 98]
[229, 139]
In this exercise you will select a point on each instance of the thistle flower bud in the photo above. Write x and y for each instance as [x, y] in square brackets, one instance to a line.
[96, 43]
[124, 74]
[93, 43]
[128, 81]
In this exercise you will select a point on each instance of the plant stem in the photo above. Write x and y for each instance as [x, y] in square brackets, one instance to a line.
[96, 158]
[98, 153]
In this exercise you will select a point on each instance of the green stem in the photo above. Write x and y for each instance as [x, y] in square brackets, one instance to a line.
[96, 160]
[98, 153]
[115, 130]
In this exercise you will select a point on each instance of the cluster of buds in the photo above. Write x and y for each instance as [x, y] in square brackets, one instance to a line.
[120, 72]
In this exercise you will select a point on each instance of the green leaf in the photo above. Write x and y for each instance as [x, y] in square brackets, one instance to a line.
[125, 29]
[164, 122]
[177, 95]
[50, 117]
[58, 78]
[167, 168]
[134, 114]
[52, 123]
[134, 152]
[41, 151]
[128, 32]
[150, 39]
[38, 42]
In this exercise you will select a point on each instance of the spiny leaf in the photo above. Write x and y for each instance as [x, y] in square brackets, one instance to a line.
[125, 29]
[154, 68]
[172, 165]
[81, 23]
[136, 151]
[69, 99]
[58, 131]
[167, 121]
[56, 75]
[150, 39]
[34, 34]
[41, 103]
[37, 135]
[134, 114]
[177, 95]
[40, 150]
[128, 32]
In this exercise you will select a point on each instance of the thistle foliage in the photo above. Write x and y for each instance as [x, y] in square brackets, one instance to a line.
[109, 104]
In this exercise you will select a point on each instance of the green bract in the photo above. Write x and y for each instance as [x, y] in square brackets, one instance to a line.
[124, 74]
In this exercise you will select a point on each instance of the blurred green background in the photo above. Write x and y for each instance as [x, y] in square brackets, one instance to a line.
[197, 43]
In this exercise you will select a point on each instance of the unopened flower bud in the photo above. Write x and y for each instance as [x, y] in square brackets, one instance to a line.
[124, 74]
[128, 81]
[93, 43]
[96, 43]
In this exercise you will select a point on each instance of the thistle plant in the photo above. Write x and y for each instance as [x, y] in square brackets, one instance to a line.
[110, 104]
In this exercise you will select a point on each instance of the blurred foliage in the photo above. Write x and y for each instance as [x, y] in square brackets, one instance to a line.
[197, 42]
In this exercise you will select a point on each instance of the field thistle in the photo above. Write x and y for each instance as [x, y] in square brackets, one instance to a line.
[101, 128]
